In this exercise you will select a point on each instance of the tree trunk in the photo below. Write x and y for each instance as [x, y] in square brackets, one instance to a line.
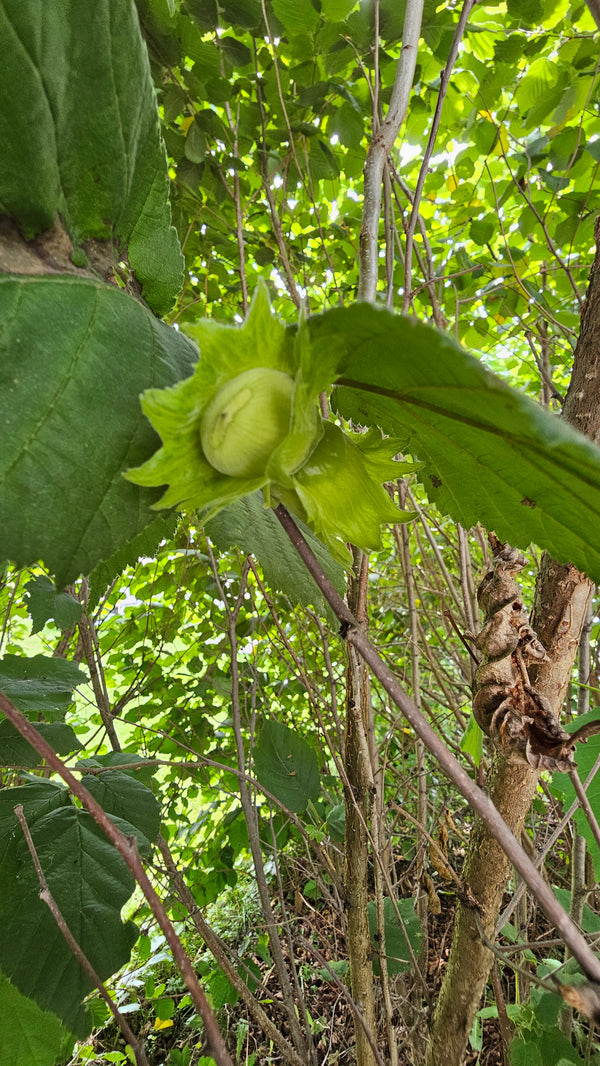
[561, 604]
[486, 873]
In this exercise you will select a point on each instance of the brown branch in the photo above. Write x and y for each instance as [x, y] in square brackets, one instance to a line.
[303, 1047]
[126, 846]
[476, 797]
[585, 805]
[354, 1007]
[461, 636]
[218, 949]
[507, 1028]
[89, 643]
[46, 896]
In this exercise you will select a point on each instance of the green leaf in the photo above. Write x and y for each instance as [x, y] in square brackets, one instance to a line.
[525, 1053]
[63, 446]
[144, 544]
[221, 991]
[81, 136]
[481, 231]
[126, 797]
[472, 741]
[398, 956]
[29, 1036]
[236, 53]
[298, 16]
[45, 603]
[337, 10]
[195, 144]
[590, 921]
[144, 769]
[526, 12]
[15, 751]
[41, 684]
[534, 86]
[38, 798]
[249, 525]
[164, 1007]
[557, 1049]
[547, 1006]
[349, 125]
[491, 455]
[336, 822]
[287, 766]
[89, 882]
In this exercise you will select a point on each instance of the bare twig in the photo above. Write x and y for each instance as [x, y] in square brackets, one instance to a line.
[381, 146]
[275, 220]
[549, 844]
[584, 664]
[46, 896]
[444, 82]
[218, 950]
[239, 220]
[91, 651]
[585, 805]
[354, 1007]
[506, 1026]
[126, 846]
[477, 798]
[303, 1047]
[7, 614]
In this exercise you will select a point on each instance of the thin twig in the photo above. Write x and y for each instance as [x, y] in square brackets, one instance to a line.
[303, 1046]
[507, 1028]
[354, 1007]
[275, 220]
[380, 148]
[448, 614]
[585, 805]
[218, 949]
[437, 115]
[510, 909]
[46, 896]
[477, 798]
[89, 643]
[126, 846]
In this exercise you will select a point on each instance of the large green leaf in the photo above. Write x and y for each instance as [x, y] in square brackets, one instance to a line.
[491, 455]
[69, 434]
[80, 133]
[396, 949]
[286, 765]
[90, 883]
[15, 751]
[45, 603]
[124, 796]
[28, 1035]
[38, 798]
[145, 543]
[298, 16]
[40, 684]
[524, 1052]
[139, 767]
[249, 525]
